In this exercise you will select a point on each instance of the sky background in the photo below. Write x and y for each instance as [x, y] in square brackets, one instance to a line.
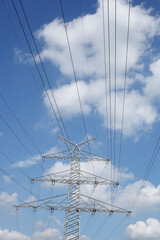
[28, 127]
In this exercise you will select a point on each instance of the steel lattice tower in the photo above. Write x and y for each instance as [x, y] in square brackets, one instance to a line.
[74, 202]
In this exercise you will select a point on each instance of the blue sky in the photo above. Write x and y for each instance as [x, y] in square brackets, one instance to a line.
[22, 93]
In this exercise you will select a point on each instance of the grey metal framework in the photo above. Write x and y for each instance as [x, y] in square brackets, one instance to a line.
[74, 202]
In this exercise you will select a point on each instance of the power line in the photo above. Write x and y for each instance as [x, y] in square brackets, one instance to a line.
[110, 88]
[15, 181]
[125, 81]
[6, 157]
[109, 78]
[41, 78]
[44, 70]
[99, 229]
[74, 73]
[116, 228]
[147, 173]
[105, 76]
[115, 90]
[14, 115]
[21, 142]
[89, 72]
[18, 40]
[8, 194]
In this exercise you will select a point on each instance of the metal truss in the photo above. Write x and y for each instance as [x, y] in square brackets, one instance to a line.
[85, 178]
[87, 204]
[73, 203]
[85, 156]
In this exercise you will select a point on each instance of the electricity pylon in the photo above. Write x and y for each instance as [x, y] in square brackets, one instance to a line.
[74, 202]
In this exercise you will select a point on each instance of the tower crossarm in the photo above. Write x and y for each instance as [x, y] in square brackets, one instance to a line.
[94, 205]
[93, 157]
[87, 204]
[85, 178]
[85, 156]
[65, 155]
[53, 203]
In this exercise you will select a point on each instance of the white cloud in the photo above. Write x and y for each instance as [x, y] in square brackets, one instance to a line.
[98, 168]
[22, 57]
[31, 198]
[7, 179]
[152, 83]
[6, 199]
[140, 112]
[47, 234]
[67, 99]
[56, 220]
[12, 235]
[140, 109]
[33, 160]
[149, 230]
[40, 224]
[55, 130]
[149, 199]
[85, 237]
[143, 28]
[28, 162]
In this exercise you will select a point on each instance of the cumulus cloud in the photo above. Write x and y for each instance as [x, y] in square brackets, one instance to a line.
[85, 237]
[149, 199]
[12, 235]
[47, 234]
[31, 198]
[140, 105]
[152, 83]
[140, 111]
[7, 179]
[98, 168]
[57, 221]
[40, 224]
[7, 199]
[33, 160]
[143, 28]
[22, 57]
[149, 230]
[125, 196]
[28, 162]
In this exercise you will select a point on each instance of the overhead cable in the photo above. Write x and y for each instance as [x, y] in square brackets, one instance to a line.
[74, 74]
[21, 142]
[147, 173]
[105, 77]
[124, 87]
[39, 73]
[44, 70]
[14, 115]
